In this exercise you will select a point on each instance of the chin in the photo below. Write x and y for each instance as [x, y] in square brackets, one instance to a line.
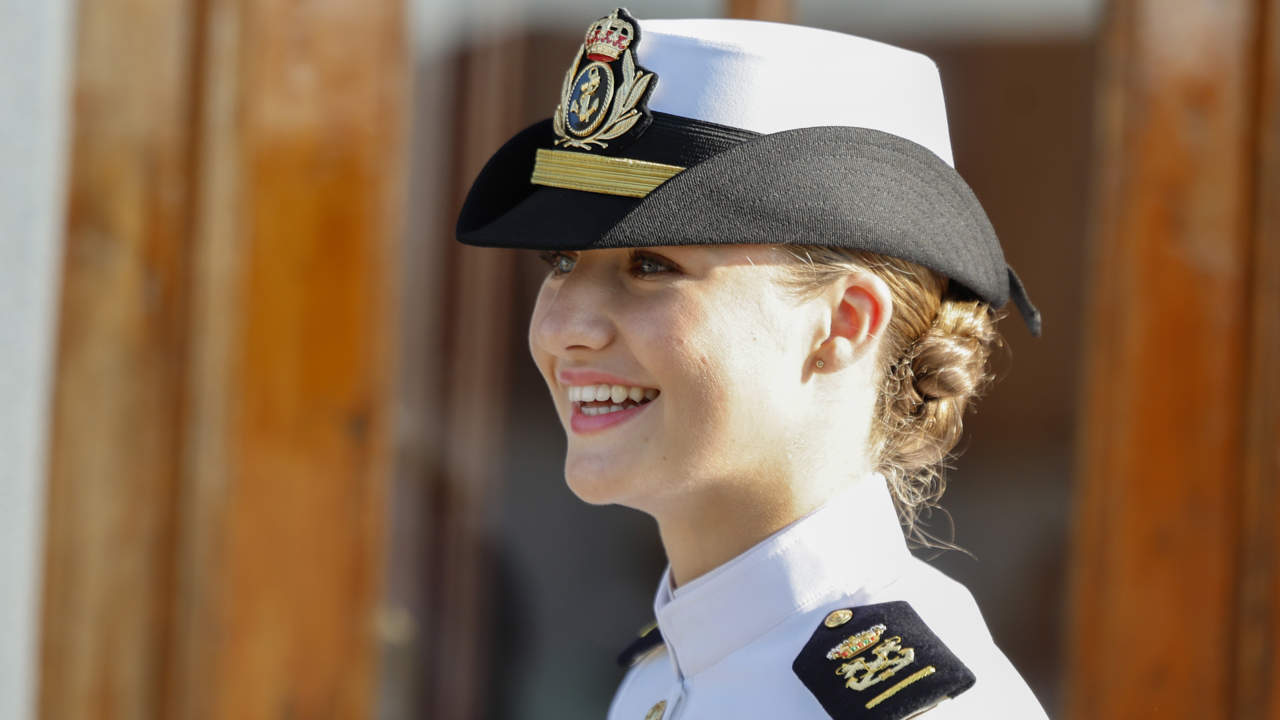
[599, 481]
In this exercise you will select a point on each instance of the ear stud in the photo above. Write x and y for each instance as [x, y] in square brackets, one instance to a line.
[819, 364]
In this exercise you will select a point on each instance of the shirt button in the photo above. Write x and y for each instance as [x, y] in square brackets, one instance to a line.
[655, 712]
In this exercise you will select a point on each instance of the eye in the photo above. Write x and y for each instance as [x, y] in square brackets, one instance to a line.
[560, 263]
[645, 264]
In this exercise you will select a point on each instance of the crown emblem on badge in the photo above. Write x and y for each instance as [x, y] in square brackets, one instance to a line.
[856, 643]
[608, 37]
[604, 92]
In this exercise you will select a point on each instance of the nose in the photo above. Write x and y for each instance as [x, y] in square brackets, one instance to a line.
[571, 317]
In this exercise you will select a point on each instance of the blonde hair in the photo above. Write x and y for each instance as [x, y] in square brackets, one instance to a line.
[933, 364]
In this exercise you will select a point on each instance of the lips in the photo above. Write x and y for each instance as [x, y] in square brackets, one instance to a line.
[595, 416]
[601, 400]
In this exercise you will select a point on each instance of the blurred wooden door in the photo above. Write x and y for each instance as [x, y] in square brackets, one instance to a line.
[1177, 566]
[220, 434]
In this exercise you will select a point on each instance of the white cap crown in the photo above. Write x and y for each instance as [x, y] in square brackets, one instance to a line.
[769, 77]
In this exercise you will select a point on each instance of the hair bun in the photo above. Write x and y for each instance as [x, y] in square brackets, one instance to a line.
[950, 360]
[928, 389]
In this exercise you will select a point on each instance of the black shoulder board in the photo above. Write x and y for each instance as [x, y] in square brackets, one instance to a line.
[879, 661]
[650, 637]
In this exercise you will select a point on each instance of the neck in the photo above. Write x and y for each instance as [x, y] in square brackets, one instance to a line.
[702, 533]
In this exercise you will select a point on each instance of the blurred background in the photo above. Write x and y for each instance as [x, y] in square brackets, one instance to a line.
[271, 445]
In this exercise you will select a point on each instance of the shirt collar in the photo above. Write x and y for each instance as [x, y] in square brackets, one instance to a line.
[851, 543]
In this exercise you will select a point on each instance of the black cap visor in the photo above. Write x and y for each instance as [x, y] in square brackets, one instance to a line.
[836, 186]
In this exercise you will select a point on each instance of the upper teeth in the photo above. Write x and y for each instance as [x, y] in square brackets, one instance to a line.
[612, 393]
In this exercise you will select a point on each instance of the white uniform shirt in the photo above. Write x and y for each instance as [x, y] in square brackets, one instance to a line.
[731, 635]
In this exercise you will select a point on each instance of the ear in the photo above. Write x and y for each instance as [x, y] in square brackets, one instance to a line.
[863, 308]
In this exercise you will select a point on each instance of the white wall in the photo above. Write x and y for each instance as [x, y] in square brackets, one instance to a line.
[36, 38]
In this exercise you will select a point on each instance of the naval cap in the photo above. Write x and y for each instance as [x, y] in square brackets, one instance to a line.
[691, 132]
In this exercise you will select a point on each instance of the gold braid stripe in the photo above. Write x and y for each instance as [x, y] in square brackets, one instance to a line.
[926, 672]
[597, 174]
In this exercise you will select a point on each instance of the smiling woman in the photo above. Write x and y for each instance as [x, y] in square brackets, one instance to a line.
[665, 322]
[768, 348]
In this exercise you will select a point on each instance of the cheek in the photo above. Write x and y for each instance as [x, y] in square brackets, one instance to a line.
[756, 378]
[674, 342]
[726, 376]
[541, 356]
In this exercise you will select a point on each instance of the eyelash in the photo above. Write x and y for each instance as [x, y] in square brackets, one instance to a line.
[554, 258]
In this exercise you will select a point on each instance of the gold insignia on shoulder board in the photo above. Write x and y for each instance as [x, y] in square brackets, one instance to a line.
[603, 99]
[885, 660]
[856, 643]
[922, 673]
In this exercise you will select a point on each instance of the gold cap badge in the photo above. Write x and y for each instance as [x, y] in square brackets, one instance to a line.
[604, 92]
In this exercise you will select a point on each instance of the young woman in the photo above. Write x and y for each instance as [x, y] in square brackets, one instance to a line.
[769, 301]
